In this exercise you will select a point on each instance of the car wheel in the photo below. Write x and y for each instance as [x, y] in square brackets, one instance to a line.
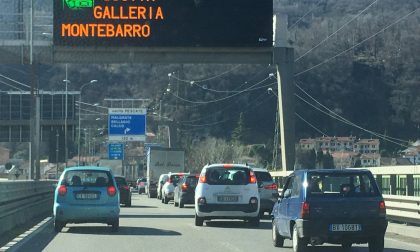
[58, 226]
[346, 246]
[161, 199]
[255, 222]
[175, 203]
[298, 243]
[181, 205]
[199, 221]
[262, 214]
[278, 240]
[115, 225]
[376, 244]
[128, 204]
[165, 200]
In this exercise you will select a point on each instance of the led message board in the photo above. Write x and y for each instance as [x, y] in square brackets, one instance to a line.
[163, 23]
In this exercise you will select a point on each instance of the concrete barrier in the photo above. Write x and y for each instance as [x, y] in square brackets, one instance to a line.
[21, 201]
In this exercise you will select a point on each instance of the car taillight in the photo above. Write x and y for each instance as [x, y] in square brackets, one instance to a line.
[126, 187]
[304, 211]
[252, 177]
[184, 187]
[202, 178]
[271, 187]
[62, 190]
[382, 208]
[111, 190]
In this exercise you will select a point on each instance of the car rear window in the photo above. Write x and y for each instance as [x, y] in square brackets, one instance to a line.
[192, 181]
[87, 178]
[227, 176]
[120, 181]
[263, 176]
[343, 184]
[175, 178]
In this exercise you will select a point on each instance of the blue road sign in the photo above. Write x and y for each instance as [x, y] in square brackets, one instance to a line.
[116, 151]
[127, 124]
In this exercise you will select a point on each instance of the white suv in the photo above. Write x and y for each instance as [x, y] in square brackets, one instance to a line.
[227, 191]
[169, 187]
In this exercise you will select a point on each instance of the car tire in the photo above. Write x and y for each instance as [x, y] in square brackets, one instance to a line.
[115, 225]
[346, 246]
[299, 244]
[262, 214]
[58, 226]
[199, 221]
[175, 203]
[128, 204]
[278, 240]
[255, 222]
[165, 200]
[161, 199]
[376, 244]
[181, 205]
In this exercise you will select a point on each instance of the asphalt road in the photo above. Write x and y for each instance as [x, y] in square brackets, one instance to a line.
[152, 226]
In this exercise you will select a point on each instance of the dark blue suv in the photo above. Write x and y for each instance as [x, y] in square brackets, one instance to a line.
[330, 206]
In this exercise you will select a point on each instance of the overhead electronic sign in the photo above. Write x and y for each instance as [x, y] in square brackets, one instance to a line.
[126, 124]
[163, 23]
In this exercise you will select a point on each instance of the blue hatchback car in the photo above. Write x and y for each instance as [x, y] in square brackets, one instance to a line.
[86, 194]
[330, 206]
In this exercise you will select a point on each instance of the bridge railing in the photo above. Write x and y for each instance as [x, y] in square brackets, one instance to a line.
[400, 186]
[21, 201]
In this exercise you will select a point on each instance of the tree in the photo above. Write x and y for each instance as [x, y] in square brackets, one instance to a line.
[306, 159]
[328, 161]
[239, 134]
[319, 158]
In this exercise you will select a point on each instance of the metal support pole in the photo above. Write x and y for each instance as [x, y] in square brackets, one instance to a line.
[284, 60]
[78, 133]
[65, 121]
[57, 137]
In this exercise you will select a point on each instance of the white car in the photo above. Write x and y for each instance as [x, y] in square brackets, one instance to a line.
[162, 181]
[168, 188]
[227, 191]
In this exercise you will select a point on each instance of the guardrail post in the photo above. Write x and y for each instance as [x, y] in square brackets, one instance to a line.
[410, 185]
[379, 182]
[393, 185]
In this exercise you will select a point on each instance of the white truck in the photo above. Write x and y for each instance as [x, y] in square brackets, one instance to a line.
[162, 160]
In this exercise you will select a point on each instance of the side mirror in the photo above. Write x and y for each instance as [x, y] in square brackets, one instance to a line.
[287, 193]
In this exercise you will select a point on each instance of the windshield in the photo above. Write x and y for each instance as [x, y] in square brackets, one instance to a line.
[120, 181]
[263, 176]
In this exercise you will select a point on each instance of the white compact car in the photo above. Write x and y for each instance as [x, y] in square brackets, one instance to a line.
[227, 191]
[169, 187]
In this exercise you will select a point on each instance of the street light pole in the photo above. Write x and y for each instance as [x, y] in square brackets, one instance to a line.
[80, 104]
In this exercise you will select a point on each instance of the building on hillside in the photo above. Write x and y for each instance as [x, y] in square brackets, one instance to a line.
[367, 146]
[388, 161]
[344, 159]
[412, 153]
[370, 159]
[333, 144]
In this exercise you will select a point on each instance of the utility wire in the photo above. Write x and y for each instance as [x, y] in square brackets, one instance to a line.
[339, 29]
[15, 81]
[228, 119]
[356, 45]
[205, 79]
[312, 126]
[219, 111]
[224, 98]
[344, 119]
[307, 13]
[7, 84]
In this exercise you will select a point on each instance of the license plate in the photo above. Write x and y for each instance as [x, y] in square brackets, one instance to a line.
[227, 198]
[345, 227]
[87, 196]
